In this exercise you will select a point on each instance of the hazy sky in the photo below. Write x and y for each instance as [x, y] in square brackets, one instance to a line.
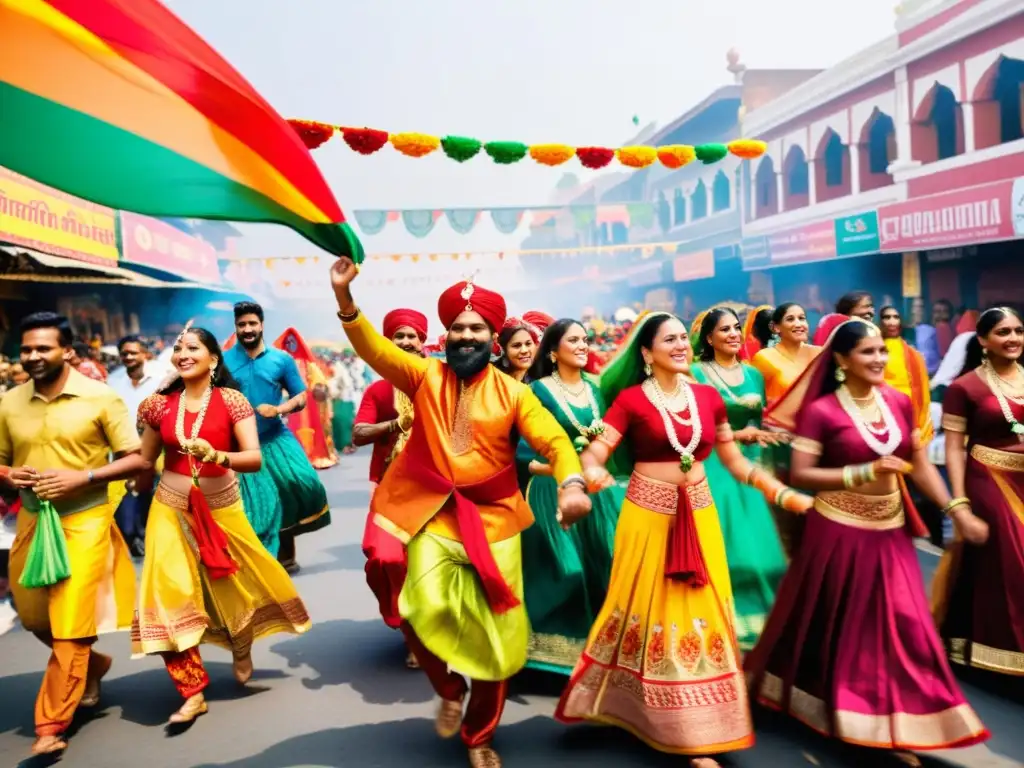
[568, 71]
[571, 71]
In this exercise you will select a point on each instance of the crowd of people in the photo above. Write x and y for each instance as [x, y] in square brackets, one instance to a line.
[681, 522]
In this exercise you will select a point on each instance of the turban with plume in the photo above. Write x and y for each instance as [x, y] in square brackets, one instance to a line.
[405, 318]
[467, 297]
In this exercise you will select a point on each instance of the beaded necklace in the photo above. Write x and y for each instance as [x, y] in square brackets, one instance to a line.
[179, 428]
[998, 387]
[596, 425]
[654, 395]
[869, 434]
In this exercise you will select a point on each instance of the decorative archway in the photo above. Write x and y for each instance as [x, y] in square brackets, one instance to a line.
[937, 132]
[831, 167]
[998, 103]
[766, 189]
[796, 179]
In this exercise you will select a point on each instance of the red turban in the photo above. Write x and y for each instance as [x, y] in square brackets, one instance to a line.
[538, 319]
[467, 297]
[405, 318]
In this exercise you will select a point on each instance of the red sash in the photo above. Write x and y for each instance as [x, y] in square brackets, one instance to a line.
[499, 486]
[685, 559]
[212, 543]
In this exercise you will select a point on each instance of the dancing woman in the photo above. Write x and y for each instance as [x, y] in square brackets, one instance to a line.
[565, 573]
[516, 347]
[661, 660]
[206, 577]
[757, 331]
[906, 372]
[756, 560]
[849, 648]
[782, 364]
[979, 590]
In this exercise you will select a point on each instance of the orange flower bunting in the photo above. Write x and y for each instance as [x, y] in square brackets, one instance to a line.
[313, 134]
[552, 154]
[415, 144]
[748, 149]
[637, 157]
[676, 155]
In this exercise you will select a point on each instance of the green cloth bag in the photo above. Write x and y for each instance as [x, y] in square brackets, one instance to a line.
[47, 562]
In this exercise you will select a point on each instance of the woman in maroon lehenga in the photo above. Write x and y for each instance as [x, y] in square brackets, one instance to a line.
[850, 648]
[979, 591]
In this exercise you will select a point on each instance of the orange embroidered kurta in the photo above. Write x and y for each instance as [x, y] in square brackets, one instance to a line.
[469, 439]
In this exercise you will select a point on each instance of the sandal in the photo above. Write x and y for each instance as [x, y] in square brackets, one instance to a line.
[449, 718]
[193, 707]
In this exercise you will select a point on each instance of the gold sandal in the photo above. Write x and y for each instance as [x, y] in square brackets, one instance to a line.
[193, 707]
[484, 757]
[449, 718]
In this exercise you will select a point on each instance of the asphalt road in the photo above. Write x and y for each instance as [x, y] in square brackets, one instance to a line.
[340, 696]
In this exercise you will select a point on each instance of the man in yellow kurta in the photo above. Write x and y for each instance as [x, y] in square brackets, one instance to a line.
[57, 432]
[452, 499]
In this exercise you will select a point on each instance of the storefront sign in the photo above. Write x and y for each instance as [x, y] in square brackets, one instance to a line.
[693, 266]
[754, 253]
[1017, 207]
[155, 243]
[964, 217]
[856, 235]
[47, 220]
[813, 242]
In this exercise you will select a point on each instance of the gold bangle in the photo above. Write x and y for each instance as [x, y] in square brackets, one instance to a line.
[848, 477]
[869, 473]
[750, 475]
[959, 501]
[348, 318]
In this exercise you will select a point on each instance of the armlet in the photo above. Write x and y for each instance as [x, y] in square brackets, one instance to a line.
[952, 423]
[806, 445]
[724, 433]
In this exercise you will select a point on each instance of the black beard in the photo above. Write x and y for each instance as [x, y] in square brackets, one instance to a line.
[251, 344]
[465, 366]
[49, 374]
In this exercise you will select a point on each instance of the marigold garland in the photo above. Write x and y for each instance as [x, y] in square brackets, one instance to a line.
[710, 153]
[506, 152]
[312, 133]
[637, 157]
[415, 144]
[748, 149]
[595, 157]
[676, 155]
[552, 154]
[365, 141]
[461, 148]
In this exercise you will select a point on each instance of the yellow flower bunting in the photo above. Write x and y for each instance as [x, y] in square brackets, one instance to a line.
[637, 157]
[552, 154]
[367, 141]
[415, 144]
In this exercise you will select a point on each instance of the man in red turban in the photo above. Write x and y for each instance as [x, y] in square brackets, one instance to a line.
[384, 420]
[451, 497]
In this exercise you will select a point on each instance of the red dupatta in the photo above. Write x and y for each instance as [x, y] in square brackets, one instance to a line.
[808, 388]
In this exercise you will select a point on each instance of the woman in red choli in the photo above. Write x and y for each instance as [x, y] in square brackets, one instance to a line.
[979, 590]
[206, 577]
[662, 659]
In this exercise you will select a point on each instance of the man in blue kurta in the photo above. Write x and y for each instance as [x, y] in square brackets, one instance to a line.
[263, 373]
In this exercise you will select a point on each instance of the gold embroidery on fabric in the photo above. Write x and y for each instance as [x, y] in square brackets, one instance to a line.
[656, 662]
[858, 510]
[663, 498]
[951, 423]
[808, 446]
[632, 646]
[996, 459]
[716, 650]
[179, 501]
[462, 426]
[690, 650]
[403, 407]
[962, 651]
[602, 649]
[555, 649]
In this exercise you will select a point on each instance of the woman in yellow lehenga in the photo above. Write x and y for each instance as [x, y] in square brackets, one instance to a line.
[662, 659]
[206, 577]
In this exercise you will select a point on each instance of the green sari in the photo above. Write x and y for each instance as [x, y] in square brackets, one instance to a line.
[565, 573]
[752, 547]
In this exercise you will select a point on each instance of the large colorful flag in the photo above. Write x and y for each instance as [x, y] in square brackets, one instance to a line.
[120, 103]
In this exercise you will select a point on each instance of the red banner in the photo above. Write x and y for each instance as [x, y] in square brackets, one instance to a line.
[964, 217]
[155, 243]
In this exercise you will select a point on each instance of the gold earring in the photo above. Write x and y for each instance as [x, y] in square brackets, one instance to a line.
[840, 375]
[554, 357]
[647, 369]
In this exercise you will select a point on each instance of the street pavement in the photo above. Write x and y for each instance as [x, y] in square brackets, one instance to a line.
[341, 697]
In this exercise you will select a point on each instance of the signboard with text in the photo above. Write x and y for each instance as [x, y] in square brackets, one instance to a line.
[963, 217]
[857, 235]
[44, 219]
[811, 242]
[693, 266]
[155, 243]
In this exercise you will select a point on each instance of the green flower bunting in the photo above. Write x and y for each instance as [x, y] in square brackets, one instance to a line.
[506, 152]
[710, 153]
[461, 148]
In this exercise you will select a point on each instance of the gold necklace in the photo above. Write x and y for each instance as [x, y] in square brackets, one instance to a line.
[179, 428]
